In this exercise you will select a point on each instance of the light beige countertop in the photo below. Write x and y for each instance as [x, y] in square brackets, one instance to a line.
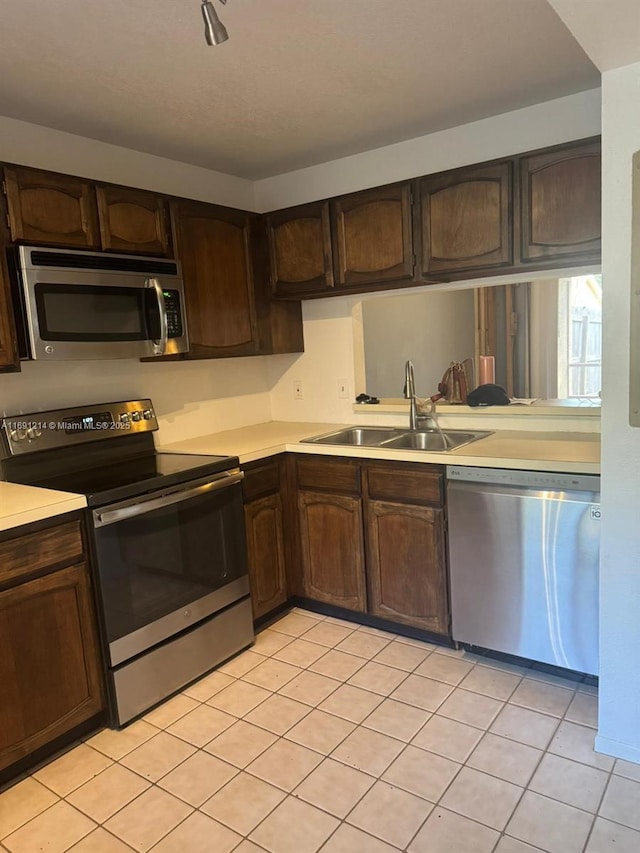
[574, 453]
[24, 504]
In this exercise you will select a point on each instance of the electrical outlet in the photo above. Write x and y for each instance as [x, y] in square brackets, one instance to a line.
[297, 389]
[343, 389]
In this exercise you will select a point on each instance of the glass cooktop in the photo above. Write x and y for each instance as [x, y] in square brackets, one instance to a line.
[136, 476]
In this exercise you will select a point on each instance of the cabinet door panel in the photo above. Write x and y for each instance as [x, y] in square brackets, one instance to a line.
[265, 548]
[49, 667]
[46, 208]
[132, 221]
[374, 240]
[9, 359]
[213, 247]
[300, 249]
[466, 217]
[561, 203]
[406, 565]
[332, 549]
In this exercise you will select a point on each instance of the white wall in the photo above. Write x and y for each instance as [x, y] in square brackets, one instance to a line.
[619, 724]
[190, 398]
[44, 148]
[572, 117]
[328, 358]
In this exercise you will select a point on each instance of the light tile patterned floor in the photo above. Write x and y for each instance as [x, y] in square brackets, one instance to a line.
[331, 737]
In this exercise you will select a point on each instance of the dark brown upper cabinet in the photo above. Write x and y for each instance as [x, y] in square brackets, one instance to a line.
[466, 220]
[560, 204]
[213, 244]
[49, 209]
[373, 236]
[9, 360]
[132, 221]
[300, 249]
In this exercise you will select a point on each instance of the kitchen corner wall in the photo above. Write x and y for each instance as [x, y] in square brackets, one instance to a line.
[619, 729]
[328, 358]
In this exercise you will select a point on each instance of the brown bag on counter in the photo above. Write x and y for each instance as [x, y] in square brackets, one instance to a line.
[456, 382]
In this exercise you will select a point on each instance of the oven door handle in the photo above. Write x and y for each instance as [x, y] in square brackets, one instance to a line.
[160, 346]
[101, 518]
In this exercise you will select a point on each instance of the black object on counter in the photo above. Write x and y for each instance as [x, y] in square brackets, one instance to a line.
[366, 398]
[488, 395]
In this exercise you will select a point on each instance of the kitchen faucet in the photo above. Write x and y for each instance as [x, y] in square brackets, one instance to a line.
[416, 410]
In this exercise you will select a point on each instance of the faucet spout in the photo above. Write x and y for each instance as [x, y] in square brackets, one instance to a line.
[417, 413]
[410, 394]
[409, 381]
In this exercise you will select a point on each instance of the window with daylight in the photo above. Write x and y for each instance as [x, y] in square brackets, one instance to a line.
[580, 336]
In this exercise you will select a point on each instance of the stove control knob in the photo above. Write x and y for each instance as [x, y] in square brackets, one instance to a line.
[136, 416]
[33, 432]
[147, 414]
[125, 418]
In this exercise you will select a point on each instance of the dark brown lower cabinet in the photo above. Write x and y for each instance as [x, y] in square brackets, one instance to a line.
[406, 565]
[331, 539]
[265, 498]
[265, 547]
[372, 538]
[49, 659]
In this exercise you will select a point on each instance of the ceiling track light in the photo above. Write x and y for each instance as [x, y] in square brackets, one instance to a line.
[215, 31]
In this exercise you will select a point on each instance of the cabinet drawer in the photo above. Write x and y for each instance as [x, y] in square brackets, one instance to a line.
[411, 485]
[261, 479]
[30, 553]
[321, 473]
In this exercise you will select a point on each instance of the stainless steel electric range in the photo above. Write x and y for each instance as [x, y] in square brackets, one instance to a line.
[167, 541]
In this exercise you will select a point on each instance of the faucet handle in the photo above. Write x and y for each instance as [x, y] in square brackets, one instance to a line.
[426, 406]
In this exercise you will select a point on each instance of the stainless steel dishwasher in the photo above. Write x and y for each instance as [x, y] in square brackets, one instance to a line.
[524, 553]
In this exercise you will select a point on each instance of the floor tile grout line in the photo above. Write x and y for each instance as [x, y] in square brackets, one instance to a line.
[525, 789]
[280, 737]
[361, 724]
[44, 811]
[330, 755]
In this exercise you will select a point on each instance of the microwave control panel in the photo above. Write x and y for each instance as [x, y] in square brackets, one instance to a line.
[174, 313]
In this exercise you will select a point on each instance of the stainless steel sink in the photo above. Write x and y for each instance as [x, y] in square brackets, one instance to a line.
[398, 439]
[356, 436]
[433, 440]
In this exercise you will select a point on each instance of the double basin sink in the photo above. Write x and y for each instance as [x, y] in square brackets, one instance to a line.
[434, 440]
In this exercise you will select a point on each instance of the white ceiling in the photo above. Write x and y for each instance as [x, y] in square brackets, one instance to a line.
[299, 81]
[609, 30]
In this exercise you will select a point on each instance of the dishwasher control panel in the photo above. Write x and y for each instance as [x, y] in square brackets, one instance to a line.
[545, 480]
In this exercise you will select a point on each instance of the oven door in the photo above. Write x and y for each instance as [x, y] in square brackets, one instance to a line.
[169, 559]
[82, 314]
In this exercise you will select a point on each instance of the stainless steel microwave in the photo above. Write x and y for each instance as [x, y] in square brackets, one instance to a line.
[76, 305]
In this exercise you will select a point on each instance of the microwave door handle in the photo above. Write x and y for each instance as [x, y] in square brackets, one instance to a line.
[160, 346]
